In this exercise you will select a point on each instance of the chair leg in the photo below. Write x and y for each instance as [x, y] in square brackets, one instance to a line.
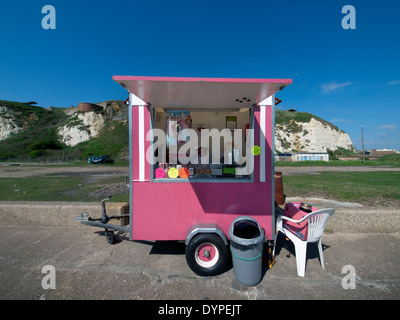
[276, 238]
[321, 254]
[301, 256]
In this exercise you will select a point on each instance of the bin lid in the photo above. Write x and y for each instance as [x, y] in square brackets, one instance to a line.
[200, 93]
[246, 231]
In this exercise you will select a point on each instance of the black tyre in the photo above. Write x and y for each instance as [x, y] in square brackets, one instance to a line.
[110, 236]
[207, 254]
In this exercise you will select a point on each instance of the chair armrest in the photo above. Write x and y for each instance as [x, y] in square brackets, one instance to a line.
[306, 216]
[292, 220]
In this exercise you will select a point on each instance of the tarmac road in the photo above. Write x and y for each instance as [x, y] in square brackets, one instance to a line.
[9, 170]
[316, 169]
[87, 267]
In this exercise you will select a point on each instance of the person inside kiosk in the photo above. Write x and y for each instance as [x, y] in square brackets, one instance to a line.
[201, 146]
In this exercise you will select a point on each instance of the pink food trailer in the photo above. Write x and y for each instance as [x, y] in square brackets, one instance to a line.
[201, 155]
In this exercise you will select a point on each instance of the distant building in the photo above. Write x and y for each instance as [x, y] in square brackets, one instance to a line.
[382, 152]
[302, 156]
[311, 156]
[283, 157]
[366, 152]
[85, 107]
[345, 157]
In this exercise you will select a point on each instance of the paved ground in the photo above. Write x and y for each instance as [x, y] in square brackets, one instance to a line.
[87, 267]
[9, 170]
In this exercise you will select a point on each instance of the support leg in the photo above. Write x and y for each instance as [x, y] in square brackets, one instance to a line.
[273, 250]
[321, 254]
[301, 256]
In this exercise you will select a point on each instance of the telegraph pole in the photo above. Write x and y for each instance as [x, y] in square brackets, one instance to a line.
[64, 149]
[362, 141]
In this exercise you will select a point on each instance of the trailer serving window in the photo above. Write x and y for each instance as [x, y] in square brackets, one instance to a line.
[201, 145]
[166, 114]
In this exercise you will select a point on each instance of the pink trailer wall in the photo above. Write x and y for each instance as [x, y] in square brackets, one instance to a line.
[167, 210]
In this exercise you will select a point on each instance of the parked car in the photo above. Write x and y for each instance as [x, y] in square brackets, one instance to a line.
[100, 160]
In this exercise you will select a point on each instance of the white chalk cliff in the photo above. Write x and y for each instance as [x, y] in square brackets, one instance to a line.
[8, 122]
[81, 127]
[312, 136]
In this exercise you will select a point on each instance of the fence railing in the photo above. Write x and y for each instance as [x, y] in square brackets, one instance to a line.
[46, 159]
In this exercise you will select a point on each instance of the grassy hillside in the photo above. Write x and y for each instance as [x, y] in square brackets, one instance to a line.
[112, 140]
[40, 133]
[284, 118]
[40, 136]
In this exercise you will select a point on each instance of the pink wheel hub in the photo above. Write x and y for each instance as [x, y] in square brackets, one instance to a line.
[206, 255]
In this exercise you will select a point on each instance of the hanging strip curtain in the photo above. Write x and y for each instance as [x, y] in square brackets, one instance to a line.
[177, 121]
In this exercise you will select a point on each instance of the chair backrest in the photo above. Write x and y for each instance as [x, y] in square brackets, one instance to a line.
[317, 222]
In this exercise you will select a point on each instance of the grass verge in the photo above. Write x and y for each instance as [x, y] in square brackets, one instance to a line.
[368, 188]
[52, 188]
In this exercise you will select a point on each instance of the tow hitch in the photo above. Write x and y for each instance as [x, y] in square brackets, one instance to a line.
[102, 222]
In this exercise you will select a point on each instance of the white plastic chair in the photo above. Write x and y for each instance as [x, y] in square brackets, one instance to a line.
[316, 225]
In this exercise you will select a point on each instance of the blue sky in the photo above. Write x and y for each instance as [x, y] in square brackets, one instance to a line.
[349, 77]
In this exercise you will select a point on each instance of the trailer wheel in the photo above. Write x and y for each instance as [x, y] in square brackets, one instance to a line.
[110, 236]
[207, 254]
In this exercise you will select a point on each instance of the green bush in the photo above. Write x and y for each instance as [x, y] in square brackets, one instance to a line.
[46, 144]
[390, 158]
[36, 154]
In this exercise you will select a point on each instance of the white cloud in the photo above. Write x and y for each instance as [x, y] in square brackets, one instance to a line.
[334, 86]
[390, 127]
[337, 120]
[394, 82]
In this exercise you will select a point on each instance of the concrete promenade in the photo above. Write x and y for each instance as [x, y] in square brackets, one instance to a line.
[34, 235]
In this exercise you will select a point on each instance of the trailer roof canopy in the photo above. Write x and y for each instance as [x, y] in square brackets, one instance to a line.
[200, 93]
